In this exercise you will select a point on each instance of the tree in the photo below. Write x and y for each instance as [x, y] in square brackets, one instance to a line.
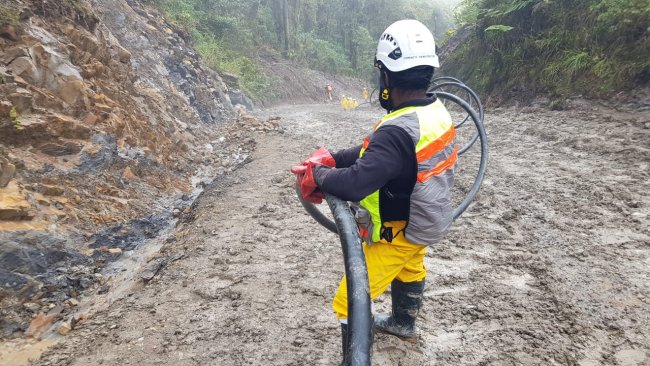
[281, 16]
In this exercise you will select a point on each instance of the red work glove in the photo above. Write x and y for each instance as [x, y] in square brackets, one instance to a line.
[321, 156]
[305, 175]
[308, 187]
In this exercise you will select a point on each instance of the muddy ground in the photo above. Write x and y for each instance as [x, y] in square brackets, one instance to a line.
[550, 266]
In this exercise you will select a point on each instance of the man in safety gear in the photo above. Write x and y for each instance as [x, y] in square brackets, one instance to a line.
[399, 179]
[344, 103]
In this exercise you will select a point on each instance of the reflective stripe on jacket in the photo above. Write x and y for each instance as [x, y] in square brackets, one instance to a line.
[431, 210]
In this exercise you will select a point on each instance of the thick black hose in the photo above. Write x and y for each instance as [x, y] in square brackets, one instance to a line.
[316, 213]
[484, 152]
[371, 95]
[470, 93]
[481, 111]
[447, 78]
[360, 323]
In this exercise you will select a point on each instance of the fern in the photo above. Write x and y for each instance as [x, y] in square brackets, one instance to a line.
[576, 62]
[591, 47]
[508, 8]
[499, 28]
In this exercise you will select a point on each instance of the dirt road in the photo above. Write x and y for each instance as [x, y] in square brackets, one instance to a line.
[549, 267]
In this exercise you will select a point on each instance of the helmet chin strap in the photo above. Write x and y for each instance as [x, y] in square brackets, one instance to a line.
[385, 99]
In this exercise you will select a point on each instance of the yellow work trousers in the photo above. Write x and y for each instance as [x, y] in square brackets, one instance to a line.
[400, 259]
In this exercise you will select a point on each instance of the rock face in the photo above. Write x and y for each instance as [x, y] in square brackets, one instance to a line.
[14, 205]
[7, 171]
[239, 98]
[43, 66]
[105, 110]
[105, 89]
[163, 59]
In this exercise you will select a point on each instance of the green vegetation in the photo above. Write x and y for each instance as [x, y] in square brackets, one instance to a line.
[77, 10]
[336, 36]
[219, 56]
[589, 47]
[15, 118]
[74, 5]
[9, 13]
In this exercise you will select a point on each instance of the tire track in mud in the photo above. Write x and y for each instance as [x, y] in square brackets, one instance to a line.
[548, 267]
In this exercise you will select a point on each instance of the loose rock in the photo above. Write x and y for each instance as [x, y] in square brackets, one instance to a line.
[39, 325]
[7, 171]
[64, 328]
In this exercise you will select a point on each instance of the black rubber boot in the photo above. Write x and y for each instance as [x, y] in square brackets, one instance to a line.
[344, 344]
[407, 300]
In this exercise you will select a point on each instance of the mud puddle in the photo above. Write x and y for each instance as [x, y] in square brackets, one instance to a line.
[22, 351]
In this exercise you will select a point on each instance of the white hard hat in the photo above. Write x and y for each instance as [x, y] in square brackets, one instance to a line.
[406, 44]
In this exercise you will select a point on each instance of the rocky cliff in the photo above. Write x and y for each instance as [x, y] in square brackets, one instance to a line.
[106, 115]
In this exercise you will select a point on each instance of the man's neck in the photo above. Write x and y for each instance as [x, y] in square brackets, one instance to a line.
[401, 96]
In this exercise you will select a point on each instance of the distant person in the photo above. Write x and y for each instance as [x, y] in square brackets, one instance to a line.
[348, 103]
[399, 180]
[345, 103]
[328, 91]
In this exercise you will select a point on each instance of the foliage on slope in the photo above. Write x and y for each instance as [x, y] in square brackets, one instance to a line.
[589, 47]
[335, 36]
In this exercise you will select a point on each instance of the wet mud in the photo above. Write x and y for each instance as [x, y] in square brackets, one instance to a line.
[549, 266]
